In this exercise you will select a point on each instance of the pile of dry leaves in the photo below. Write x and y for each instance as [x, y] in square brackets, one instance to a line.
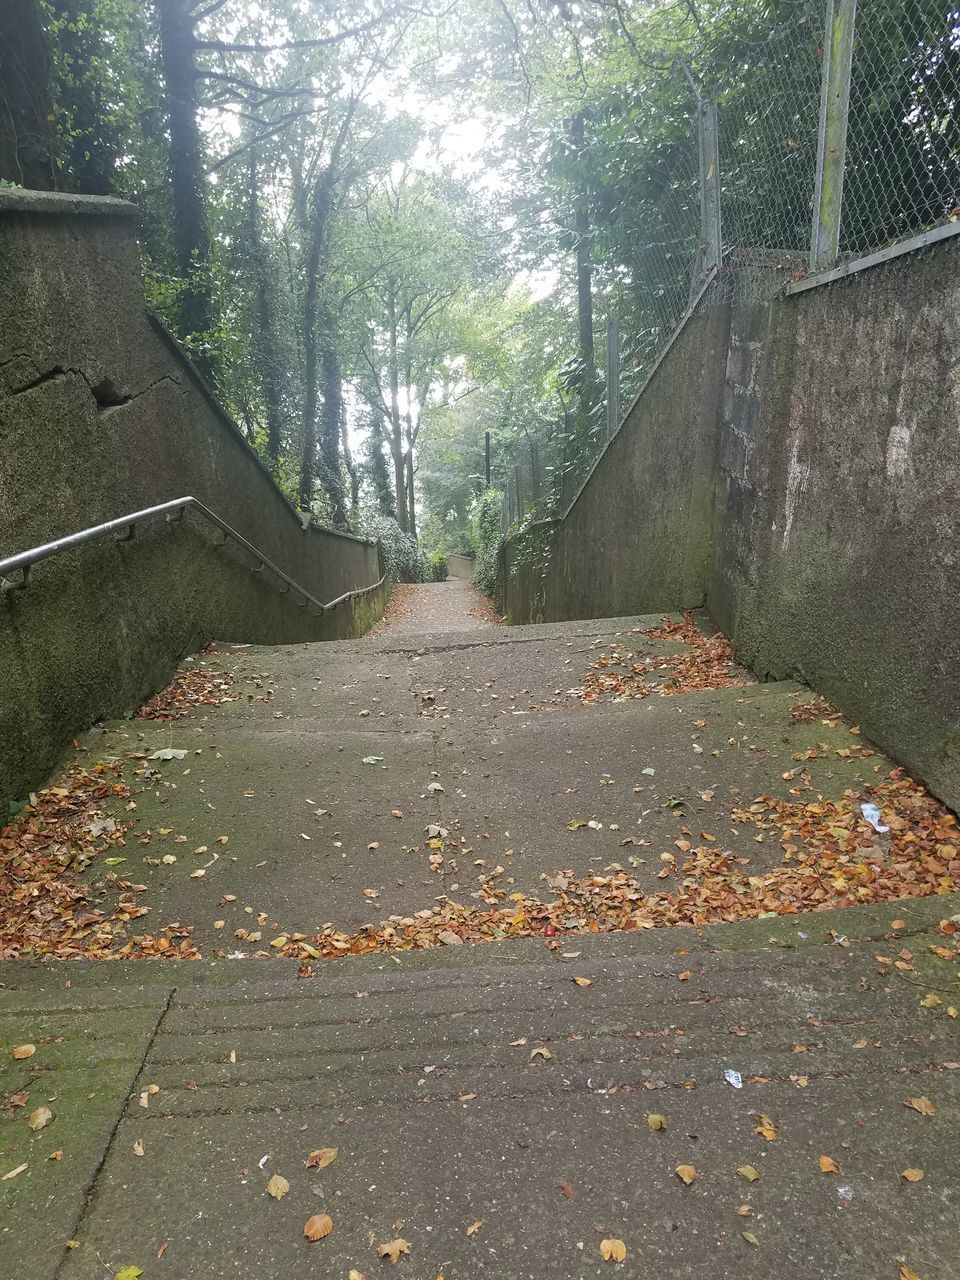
[45, 907]
[206, 684]
[709, 664]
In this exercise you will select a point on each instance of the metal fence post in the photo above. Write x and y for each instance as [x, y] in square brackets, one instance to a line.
[832, 138]
[613, 373]
[709, 145]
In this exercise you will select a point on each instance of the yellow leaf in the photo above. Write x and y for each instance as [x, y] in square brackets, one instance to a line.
[355, 1275]
[320, 1158]
[278, 1186]
[55, 1155]
[279, 942]
[128, 1273]
[540, 1053]
[393, 1249]
[828, 1165]
[138, 1147]
[686, 1173]
[24, 1051]
[613, 1250]
[656, 1121]
[923, 1105]
[584, 982]
[475, 1227]
[749, 1172]
[930, 1001]
[40, 1118]
[912, 1175]
[765, 1127]
[320, 1225]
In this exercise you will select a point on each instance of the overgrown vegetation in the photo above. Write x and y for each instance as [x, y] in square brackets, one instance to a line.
[384, 231]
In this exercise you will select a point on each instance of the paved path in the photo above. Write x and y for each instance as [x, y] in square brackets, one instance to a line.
[430, 607]
[563, 790]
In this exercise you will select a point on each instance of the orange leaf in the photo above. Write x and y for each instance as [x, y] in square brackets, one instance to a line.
[686, 1173]
[320, 1158]
[320, 1225]
[828, 1165]
[393, 1249]
[612, 1250]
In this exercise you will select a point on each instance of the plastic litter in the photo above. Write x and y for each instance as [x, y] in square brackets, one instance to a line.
[872, 814]
[733, 1077]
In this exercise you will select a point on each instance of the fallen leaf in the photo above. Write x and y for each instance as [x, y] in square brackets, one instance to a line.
[474, 1227]
[912, 1175]
[278, 1186]
[749, 1237]
[566, 1188]
[930, 1001]
[923, 1105]
[40, 1118]
[320, 1225]
[905, 1273]
[656, 1121]
[138, 1147]
[393, 1249]
[749, 1172]
[828, 1165]
[320, 1158]
[685, 976]
[13, 1173]
[540, 1053]
[745, 1210]
[55, 1155]
[354, 1274]
[128, 1273]
[24, 1051]
[765, 1127]
[584, 982]
[686, 1173]
[613, 1250]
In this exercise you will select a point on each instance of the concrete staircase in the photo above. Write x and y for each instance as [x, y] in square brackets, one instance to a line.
[509, 1085]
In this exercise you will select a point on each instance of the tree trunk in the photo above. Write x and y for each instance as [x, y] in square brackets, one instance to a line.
[318, 218]
[396, 420]
[267, 347]
[26, 136]
[191, 231]
[581, 214]
[331, 424]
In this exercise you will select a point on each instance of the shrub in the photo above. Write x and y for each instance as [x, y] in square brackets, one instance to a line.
[402, 557]
[485, 528]
[438, 564]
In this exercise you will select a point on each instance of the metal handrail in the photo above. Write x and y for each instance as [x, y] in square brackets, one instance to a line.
[125, 528]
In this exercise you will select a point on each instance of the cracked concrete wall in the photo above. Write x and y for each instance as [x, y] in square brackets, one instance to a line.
[100, 414]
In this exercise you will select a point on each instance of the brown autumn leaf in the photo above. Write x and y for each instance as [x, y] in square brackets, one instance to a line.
[828, 1165]
[905, 1273]
[745, 1210]
[923, 1105]
[24, 1051]
[55, 1155]
[656, 1121]
[930, 1001]
[748, 1172]
[40, 1118]
[13, 1173]
[318, 1226]
[765, 1127]
[912, 1175]
[474, 1227]
[393, 1249]
[686, 1173]
[685, 976]
[613, 1250]
[320, 1158]
[566, 1188]
[540, 1053]
[138, 1147]
[584, 982]
[354, 1274]
[277, 1186]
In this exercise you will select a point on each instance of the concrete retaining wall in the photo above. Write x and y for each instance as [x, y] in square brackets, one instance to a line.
[461, 567]
[100, 415]
[795, 468]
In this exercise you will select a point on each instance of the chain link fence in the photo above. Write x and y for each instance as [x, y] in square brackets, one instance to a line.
[831, 136]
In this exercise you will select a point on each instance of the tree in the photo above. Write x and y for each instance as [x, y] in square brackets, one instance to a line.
[26, 137]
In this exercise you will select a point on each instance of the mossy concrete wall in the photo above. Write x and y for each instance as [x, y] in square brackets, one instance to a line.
[100, 415]
[636, 537]
[795, 467]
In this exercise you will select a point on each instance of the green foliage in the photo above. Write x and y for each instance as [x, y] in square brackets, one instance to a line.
[438, 565]
[486, 536]
[403, 559]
